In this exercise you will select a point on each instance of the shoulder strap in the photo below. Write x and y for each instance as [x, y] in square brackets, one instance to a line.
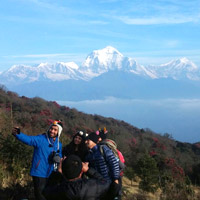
[102, 151]
[113, 146]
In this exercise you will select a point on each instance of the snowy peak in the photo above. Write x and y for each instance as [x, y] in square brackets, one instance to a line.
[109, 59]
[59, 71]
[20, 72]
[96, 63]
[103, 59]
[109, 50]
[181, 64]
[59, 67]
[44, 71]
[177, 69]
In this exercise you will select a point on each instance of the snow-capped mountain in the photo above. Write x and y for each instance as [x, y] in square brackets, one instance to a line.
[20, 73]
[110, 59]
[105, 72]
[178, 69]
[60, 71]
[97, 63]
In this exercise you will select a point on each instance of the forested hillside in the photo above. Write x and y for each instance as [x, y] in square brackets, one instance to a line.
[158, 162]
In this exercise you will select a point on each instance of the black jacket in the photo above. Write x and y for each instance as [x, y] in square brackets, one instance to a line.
[70, 149]
[94, 188]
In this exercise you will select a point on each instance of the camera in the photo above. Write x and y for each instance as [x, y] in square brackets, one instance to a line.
[55, 159]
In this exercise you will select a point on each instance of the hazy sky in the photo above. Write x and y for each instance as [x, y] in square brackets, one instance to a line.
[150, 31]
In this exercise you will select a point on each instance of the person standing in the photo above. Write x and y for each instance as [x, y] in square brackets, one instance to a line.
[106, 165]
[120, 158]
[46, 155]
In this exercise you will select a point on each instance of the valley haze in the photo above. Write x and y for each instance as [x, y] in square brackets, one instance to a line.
[164, 98]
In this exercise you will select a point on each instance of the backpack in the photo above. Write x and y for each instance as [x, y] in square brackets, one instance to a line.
[113, 146]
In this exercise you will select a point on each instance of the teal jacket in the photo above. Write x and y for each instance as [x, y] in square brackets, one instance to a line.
[42, 164]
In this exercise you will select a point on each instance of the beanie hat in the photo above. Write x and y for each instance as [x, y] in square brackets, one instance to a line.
[94, 136]
[72, 167]
[103, 133]
[80, 134]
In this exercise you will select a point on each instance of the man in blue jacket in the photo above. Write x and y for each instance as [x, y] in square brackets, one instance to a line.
[46, 155]
[106, 165]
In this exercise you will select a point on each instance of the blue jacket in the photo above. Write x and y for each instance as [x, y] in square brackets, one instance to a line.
[106, 165]
[42, 164]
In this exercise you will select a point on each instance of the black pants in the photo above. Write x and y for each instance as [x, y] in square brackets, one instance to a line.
[39, 184]
[120, 189]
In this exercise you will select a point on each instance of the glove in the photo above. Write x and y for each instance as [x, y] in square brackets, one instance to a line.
[114, 190]
[15, 131]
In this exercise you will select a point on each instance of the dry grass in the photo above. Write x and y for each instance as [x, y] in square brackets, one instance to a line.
[131, 191]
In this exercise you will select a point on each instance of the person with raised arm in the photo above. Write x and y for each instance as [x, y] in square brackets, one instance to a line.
[46, 156]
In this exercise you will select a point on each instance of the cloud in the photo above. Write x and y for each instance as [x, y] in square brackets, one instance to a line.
[40, 55]
[48, 5]
[33, 59]
[150, 12]
[179, 117]
[171, 43]
[164, 56]
[186, 104]
[156, 20]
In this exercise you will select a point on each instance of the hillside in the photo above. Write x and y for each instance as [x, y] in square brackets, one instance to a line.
[162, 162]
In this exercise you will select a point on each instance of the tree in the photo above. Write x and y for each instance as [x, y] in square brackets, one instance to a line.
[148, 172]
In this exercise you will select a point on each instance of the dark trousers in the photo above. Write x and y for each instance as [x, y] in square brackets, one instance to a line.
[120, 189]
[39, 184]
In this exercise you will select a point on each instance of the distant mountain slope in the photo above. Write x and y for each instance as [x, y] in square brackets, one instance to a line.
[179, 69]
[99, 62]
[114, 83]
[105, 72]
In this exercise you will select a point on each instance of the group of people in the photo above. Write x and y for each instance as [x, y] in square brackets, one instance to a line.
[77, 171]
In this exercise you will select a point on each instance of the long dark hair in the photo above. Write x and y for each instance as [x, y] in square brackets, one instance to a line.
[71, 147]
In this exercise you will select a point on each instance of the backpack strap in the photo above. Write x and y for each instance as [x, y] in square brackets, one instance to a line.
[112, 145]
[102, 151]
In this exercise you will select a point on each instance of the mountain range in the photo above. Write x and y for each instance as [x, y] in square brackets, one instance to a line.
[105, 72]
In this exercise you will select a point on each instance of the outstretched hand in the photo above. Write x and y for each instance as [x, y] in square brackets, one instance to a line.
[15, 131]
[85, 167]
[60, 164]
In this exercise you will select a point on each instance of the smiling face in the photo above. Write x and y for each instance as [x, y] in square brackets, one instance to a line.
[77, 140]
[53, 131]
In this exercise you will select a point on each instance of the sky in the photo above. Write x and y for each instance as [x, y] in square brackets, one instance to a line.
[150, 31]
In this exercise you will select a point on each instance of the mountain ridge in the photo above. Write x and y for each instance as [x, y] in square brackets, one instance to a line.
[96, 63]
[105, 72]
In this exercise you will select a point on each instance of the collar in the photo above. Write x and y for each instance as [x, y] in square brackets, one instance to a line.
[95, 148]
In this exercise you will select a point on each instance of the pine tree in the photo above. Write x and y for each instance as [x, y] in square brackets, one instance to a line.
[148, 172]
